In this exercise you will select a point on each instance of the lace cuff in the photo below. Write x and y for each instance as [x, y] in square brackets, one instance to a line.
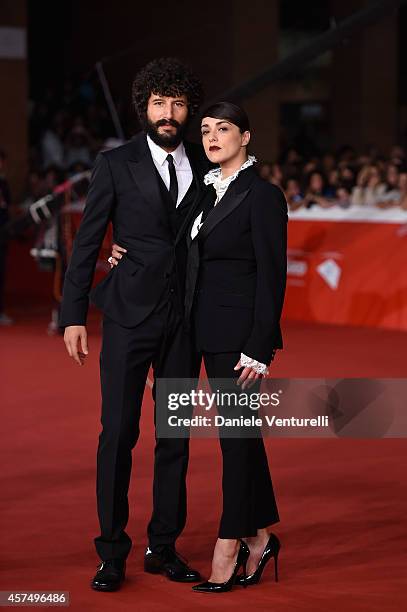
[257, 366]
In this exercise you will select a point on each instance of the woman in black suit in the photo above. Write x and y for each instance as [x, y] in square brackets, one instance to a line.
[234, 296]
[235, 285]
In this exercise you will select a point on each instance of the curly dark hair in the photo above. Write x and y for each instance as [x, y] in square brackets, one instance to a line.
[167, 76]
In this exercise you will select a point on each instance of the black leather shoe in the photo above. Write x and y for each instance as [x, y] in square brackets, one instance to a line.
[110, 575]
[168, 562]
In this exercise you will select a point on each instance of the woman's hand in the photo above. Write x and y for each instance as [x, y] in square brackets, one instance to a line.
[116, 255]
[248, 377]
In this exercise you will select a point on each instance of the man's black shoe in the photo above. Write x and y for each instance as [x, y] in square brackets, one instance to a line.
[168, 562]
[110, 575]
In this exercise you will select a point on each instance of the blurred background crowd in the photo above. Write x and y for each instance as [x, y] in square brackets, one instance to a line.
[342, 178]
[68, 128]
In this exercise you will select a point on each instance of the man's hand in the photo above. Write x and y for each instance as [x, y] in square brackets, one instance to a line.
[76, 342]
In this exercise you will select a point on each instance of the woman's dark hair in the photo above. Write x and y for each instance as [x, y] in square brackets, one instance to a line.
[166, 76]
[229, 111]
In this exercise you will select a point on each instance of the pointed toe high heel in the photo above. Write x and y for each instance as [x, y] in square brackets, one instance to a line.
[223, 587]
[272, 549]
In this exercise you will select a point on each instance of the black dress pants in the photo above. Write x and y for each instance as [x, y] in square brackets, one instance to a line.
[248, 497]
[125, 359]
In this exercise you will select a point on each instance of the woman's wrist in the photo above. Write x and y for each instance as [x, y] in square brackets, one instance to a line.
[257, 366]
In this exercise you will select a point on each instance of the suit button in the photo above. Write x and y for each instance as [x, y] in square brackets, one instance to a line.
[171, 290]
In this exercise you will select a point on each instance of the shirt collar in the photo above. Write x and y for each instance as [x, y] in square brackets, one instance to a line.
[215, 176]
[160, 156]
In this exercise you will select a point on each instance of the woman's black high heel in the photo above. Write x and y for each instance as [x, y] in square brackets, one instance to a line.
[222, 587]
[272, 549]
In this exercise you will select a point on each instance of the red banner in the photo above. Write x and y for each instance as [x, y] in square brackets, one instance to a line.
[347, 272]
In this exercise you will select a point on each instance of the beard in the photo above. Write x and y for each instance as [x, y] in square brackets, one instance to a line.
[162, 139]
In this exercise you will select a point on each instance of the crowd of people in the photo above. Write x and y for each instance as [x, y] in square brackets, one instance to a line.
[343, 179]
[69, 127]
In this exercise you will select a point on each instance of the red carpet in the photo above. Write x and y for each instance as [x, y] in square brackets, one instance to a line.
[342, 502]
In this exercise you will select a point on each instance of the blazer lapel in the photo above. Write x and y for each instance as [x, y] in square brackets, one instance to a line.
[227, 204]
[190, 196]
[233, 197]
[196, 182]
[144, 172]
[205, 202]
[200, 192]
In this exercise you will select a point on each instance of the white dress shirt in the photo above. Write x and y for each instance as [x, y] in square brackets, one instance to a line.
[181, 164]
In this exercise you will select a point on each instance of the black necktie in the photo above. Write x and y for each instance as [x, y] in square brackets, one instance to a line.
[173, 179]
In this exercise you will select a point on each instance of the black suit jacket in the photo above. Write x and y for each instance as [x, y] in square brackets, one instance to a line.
[237, 268]
[125, 190]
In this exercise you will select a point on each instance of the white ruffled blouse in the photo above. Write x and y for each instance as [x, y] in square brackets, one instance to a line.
[214, 177]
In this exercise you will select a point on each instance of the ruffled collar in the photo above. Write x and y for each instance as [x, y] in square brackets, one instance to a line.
[214, 177]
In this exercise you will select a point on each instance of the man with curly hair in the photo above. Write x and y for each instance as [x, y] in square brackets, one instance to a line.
[147, 189]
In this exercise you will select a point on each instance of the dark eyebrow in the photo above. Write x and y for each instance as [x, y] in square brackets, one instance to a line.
[217, 123]
[161, 97]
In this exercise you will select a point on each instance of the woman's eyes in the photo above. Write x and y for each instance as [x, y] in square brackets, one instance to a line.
[225, 129]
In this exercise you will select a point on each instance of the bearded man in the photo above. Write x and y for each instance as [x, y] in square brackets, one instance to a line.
[147, 188]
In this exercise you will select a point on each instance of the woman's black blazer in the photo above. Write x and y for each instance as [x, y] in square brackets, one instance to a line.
[237, 268]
